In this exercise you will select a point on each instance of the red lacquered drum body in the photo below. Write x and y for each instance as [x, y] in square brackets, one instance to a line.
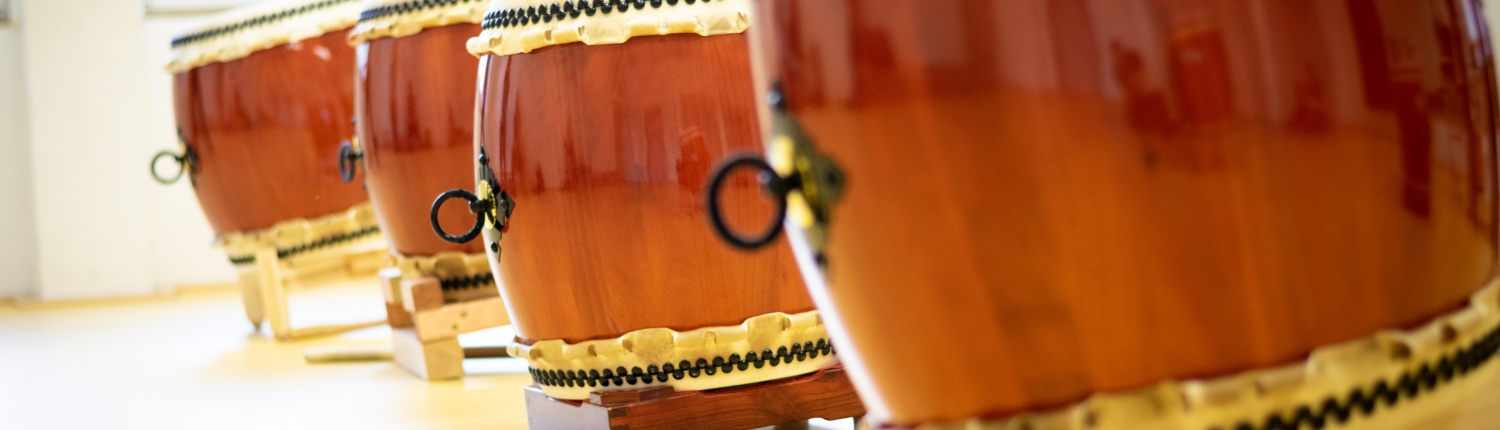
[266, 129]
[604, 148]
[416, 119]
[1048, 199]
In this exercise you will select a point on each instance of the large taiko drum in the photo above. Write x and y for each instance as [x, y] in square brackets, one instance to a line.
[1140, 213]
[597, 124]
[414, 104]
[263, 96]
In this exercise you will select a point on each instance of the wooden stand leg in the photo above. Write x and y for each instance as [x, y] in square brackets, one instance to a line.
[430, 349]
[789, 403]
[390, 288]
[435, 360]
[273, 291]
[250, 291]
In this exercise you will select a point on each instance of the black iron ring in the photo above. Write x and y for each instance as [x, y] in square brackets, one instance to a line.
[773, 184]
[478, 220]
[348, 158]
[181, 167]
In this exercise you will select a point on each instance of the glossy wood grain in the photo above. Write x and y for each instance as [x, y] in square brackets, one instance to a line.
[267, 129]
[605, 150]
[1048, 199]
[415, 104]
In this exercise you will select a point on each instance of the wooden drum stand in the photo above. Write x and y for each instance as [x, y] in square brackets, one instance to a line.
[826, 394]
[430, 301]
[299, 253]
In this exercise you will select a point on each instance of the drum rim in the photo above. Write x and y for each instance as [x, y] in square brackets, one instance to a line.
[401, 18]
[239, 32]
[1405, 365]
[601, 22]
[300, 236]
[788, 345]
[453, 269]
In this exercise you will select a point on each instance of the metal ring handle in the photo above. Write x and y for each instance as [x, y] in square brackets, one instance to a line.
[478, 220]
[181, 167]
[347, 161]
[774, 184]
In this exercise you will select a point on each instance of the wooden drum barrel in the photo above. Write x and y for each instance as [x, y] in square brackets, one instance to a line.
[414, 103]
[1137, 213]
[611, 278]
[263, 96]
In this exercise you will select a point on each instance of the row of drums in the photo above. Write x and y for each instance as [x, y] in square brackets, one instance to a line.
[1089, 213]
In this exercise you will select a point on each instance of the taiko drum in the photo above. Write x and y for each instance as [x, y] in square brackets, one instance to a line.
[1043, 200]
[263, 106]
[415, 107]
[600, 131]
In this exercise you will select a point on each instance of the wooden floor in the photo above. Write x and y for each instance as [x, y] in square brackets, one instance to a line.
[191, 361]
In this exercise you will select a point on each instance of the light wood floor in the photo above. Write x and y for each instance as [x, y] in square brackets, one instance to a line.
[191, 361]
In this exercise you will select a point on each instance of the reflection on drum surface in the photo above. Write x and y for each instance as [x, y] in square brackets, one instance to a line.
[1052, 198]
[416, 121]
[266, 129]
[605, 149]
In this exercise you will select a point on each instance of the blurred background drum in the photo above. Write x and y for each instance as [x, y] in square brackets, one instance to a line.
[1064, 198]
[263, 96]
[611, 278]
[414, 92]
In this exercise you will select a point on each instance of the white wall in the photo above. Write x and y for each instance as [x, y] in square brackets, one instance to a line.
[78, 215]
[85, 123]
[182, 250]
[160, 6]
[98, 106]
[17, 243]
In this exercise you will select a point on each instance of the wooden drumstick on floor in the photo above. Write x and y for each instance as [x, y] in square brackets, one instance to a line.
[339, 354]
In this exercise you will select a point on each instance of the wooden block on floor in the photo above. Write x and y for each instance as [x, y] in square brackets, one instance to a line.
[390, 284]
[421, 294]
[826, 394]
[451, 320]
[443, 359]
[397, 316]
[390, 288]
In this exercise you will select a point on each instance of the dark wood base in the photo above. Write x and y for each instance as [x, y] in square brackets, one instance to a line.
[826, 394]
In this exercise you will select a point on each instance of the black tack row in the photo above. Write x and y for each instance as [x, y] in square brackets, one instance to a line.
[1365, 400]
[404, 7]
[479, 280]
[310, 246]
[569, 9]
[255, 22]
[620, 376]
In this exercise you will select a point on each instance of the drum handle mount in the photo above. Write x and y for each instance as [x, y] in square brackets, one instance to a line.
[186, 158]
[776, 186]
[350, 156]
[490, 203]
[812, 180]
